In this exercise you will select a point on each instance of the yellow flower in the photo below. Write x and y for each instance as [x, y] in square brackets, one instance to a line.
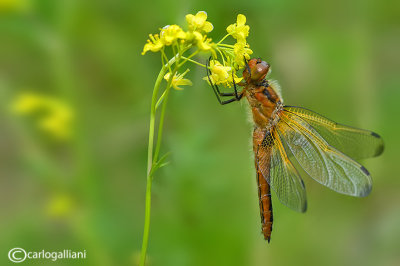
[178, 80]
[171, 33]
[239, 30]
[241, 51]
[14, 5]
[60, 206]
[168, 35]
[221, 74]
[198, 22]
[27, 103]
[154, 44]
[56, 125]
[202, 42]
[55, 116]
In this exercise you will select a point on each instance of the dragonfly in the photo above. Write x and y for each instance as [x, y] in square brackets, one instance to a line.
[286, 137]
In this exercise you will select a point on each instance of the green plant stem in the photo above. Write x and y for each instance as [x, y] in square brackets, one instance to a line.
[225, 45]
[150, 158]
[188, 57]
[162, 115]
[222, 56]
[223, 38]
[153, 118]
[192, 61]
[160, 100]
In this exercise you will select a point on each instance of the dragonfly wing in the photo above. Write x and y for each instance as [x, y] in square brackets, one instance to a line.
[355, 143]
[321, 161]
[281, 175]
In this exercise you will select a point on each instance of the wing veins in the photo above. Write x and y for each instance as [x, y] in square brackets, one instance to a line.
[336, 168]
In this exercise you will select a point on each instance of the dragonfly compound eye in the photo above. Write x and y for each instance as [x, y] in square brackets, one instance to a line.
[259, 71]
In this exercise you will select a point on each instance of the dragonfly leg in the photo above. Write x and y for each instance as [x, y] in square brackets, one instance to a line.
[237, 96]
[219, 94]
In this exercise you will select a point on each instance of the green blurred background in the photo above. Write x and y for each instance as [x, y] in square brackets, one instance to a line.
[339, 58]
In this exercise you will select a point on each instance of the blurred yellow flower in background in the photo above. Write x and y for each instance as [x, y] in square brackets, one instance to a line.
[178, 80]
[55, 117]
[13, 5]
[27, 103]
[199, 22]
[59, 206]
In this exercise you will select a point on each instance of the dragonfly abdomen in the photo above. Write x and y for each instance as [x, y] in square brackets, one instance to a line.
[262, 158]
[264, 194]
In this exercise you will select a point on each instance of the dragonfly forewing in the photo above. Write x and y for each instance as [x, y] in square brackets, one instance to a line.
[354, 142]
[321, 161]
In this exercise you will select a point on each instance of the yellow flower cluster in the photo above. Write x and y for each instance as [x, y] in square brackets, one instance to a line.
[227, 59]
[56, 117]
[236, 55]
[240, 32]
[173, 34]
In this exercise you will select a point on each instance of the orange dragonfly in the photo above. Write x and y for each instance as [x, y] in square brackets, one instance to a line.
[285, 134]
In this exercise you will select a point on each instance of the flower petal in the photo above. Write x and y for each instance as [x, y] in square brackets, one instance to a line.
[208, 26]
[189, 18]
[231, 28]
[241, 20]
[185, 82]
[201, 17]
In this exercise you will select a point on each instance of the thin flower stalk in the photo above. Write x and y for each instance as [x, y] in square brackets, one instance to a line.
[173, 39]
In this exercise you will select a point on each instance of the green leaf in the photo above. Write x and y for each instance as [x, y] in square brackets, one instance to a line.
[160, 163]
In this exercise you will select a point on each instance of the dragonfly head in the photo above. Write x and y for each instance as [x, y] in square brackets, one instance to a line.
[255, 70]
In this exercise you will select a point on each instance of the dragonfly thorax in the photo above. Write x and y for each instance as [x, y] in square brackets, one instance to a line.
[265, 102]
[265, 105]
